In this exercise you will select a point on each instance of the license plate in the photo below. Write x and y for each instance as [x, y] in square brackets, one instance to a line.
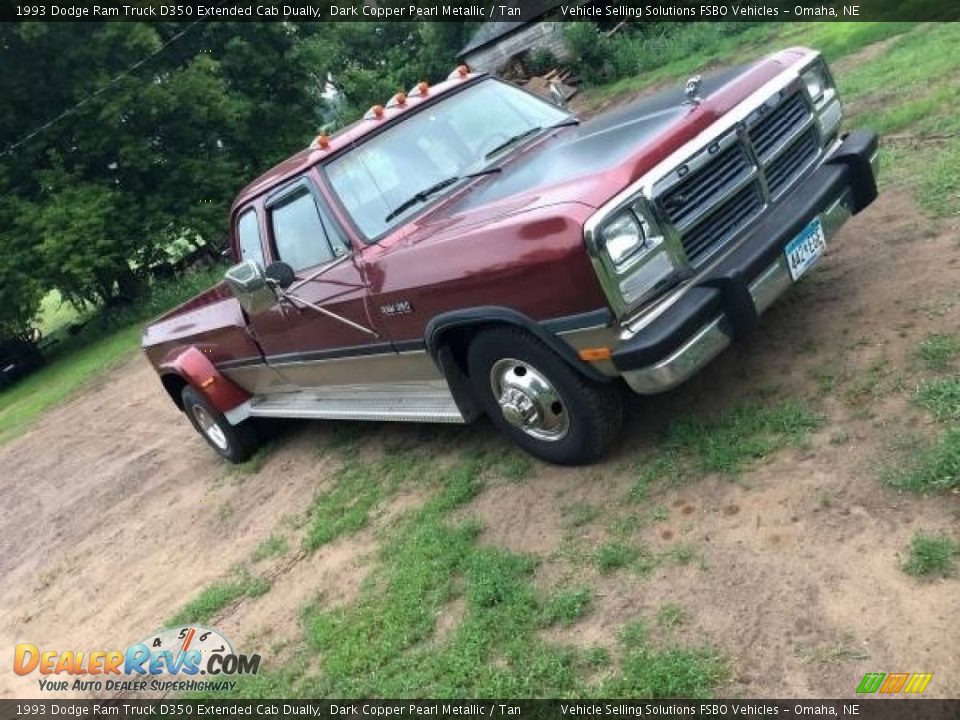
[805, 249]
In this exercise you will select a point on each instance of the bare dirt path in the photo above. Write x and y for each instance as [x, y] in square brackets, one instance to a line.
[113, 514]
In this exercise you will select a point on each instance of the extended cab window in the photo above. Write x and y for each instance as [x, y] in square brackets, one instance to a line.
[248, 237]
[300, 233]
[449, 139]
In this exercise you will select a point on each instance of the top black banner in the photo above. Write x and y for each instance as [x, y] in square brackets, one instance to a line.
[517, 11]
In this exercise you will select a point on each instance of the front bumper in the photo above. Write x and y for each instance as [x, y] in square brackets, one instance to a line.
[659, 351]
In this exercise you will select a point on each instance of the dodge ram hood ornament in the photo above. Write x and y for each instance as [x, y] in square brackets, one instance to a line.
[692, 90]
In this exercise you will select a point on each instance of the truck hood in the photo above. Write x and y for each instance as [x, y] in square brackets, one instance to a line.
[589, 163]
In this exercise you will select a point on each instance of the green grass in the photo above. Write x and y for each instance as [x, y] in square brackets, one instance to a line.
[684, 49]
[726, 442]
[682, 554]
[360, 486]
[942, 398]
[614, 555]
[254, 464]
[671, 615]
[513, 465]
[215, 597]
[933, 466]
[928, 466]
[110, 337]
[931, 555]
[693, 47]
[566, 606]
[938, 351]
[580, 514]
[925, 154]
[272, 547]
[21, 404]
[385, 644]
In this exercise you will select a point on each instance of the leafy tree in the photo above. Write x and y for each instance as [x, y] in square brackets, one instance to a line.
[170, 120]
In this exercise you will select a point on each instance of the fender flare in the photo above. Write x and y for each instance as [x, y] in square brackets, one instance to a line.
[497, 315]
[194, 367]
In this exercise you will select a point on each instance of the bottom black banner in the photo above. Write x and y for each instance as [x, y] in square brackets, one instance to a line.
[892, 709]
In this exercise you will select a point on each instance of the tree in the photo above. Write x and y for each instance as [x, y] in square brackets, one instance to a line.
[165, 121]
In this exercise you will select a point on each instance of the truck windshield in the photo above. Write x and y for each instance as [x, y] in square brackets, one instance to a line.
[456, 137]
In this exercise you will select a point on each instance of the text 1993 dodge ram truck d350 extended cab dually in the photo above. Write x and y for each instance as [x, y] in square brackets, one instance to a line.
[470, 248]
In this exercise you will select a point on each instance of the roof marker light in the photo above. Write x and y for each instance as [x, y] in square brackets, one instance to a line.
[421, 90]
[461, 72]
[398, 100]
[321, 142]
[374, 113]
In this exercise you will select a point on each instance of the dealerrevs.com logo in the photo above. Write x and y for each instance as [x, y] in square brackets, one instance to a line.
[173, 660]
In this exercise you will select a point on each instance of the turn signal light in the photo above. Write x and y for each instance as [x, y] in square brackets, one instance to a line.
[594, 354]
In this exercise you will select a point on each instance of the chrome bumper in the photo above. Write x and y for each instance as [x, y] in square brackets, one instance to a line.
[714, 336]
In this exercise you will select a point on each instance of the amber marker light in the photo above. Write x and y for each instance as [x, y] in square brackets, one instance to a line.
[323, 141]
[594, 354]
[208, 382]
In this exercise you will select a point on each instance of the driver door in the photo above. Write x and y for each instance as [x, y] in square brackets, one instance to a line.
[307, 347]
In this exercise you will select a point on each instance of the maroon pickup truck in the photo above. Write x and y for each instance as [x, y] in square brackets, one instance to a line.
[471, 248]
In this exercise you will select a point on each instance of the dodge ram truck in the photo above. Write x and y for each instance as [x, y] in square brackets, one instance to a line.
[469, 248]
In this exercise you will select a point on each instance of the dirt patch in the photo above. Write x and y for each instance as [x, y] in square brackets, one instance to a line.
[114, 515]
[329, 577]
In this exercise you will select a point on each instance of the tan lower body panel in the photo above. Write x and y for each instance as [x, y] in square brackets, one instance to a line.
[417, 401]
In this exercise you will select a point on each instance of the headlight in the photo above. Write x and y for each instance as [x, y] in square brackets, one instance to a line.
[622, 237]
[815, 78]
[636, 254]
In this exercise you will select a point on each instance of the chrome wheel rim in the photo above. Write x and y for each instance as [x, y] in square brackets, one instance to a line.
[528, 400]
[210, 428]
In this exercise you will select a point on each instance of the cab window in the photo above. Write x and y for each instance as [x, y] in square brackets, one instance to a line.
[248, 237]
[300, 233]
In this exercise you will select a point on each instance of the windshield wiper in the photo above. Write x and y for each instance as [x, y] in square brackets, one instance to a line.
[527, 133]
[425, 194]
[512, 141]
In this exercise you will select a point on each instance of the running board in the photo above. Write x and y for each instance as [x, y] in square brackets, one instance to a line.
[429, 401]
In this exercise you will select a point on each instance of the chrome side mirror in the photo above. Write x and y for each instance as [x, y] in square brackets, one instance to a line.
[250, 285]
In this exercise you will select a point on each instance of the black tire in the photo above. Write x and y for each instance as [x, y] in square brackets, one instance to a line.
[576, 427]
[236, 443]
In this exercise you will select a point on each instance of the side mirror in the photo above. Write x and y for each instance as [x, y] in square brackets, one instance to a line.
[281, 274]
[251, 286]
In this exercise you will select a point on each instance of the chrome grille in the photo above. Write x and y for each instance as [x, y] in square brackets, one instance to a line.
[725, 222]
[771, 128]
[788, 165]
[728, 191]
[702, 188]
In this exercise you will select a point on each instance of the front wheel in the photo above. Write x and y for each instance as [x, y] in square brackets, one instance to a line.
[236, 443]
[538, 400]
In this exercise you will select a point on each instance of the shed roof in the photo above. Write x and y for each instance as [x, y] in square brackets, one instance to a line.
[494, 30]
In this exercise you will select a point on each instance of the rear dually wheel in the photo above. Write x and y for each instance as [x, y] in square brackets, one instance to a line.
[236, 443]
